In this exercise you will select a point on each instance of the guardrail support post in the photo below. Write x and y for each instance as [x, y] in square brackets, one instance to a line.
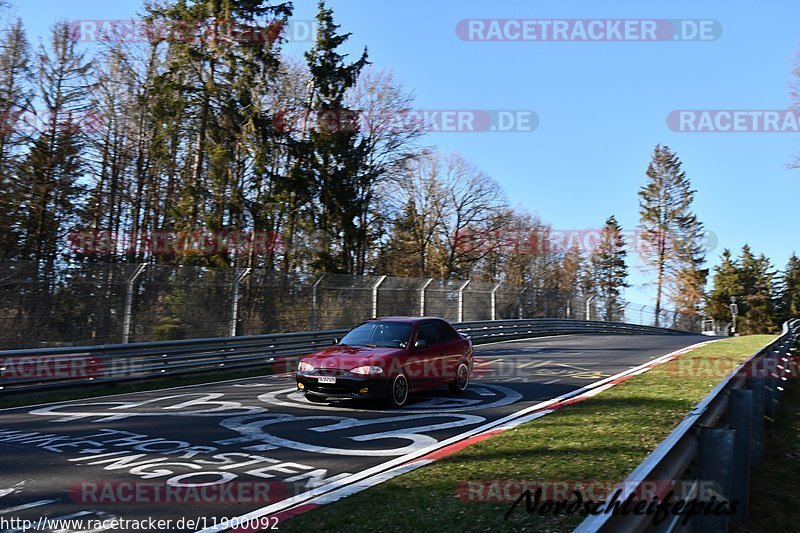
[314, 303]
[494, 301]
[757, 447]
[235, 302]
[127, 314]
[375, 296]
[715, 465]
[741, 404]
[422, 297]
[461, 301]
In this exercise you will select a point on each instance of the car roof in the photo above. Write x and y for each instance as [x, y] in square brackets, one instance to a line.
[408, 319]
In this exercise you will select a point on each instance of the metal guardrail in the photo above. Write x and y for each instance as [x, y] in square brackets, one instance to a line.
[33, 370]
[711, 452]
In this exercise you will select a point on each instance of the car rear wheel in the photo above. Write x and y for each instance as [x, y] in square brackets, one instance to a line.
[316, 399]
[461, 382]
[398, 390]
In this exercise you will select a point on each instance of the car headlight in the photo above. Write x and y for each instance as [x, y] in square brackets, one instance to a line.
[367, 370]
[304, 367]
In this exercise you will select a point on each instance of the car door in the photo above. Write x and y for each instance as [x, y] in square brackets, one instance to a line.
[426, 368]
[451, 347]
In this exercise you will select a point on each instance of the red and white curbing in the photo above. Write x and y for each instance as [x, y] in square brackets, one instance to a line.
[371, 477]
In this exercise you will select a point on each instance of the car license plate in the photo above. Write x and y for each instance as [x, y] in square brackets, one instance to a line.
[326, 379]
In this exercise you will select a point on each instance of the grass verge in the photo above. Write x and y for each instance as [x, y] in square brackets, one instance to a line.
[603, 438]
[773, 486]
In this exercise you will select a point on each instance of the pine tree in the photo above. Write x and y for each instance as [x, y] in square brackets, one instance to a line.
[15, 96]
[214, 85]
[689, 296]
[333, 156]
[608, 271]
[758, 293]
[726, 283]
[789, 299]
[670, 232]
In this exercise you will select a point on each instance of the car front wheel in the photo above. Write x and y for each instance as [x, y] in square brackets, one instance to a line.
[398, 390]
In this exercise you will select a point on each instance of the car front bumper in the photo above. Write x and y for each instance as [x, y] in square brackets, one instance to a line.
[347, 386]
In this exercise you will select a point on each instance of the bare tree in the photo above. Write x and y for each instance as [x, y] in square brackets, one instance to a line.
[381, 104]
[418, 200]
[472, 198]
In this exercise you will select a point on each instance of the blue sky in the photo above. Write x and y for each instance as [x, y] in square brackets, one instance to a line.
[602, 106]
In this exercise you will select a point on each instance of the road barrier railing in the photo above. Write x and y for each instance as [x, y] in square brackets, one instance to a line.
[708, 458]
[47, 369]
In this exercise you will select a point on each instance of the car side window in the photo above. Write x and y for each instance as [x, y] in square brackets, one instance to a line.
[427, 332]
[445, 332]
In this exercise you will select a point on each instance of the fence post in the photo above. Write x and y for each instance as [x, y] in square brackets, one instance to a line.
[314, 303]
[494, 301]
[422, 297]
[375, 296]
[235, 302]
[127, 314]
[461, 301]
[546, 297]
[519, 301]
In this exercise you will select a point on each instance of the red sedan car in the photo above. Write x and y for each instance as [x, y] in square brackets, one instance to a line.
[388, 358]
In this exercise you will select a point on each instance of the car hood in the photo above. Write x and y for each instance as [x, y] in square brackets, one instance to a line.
[347, 357]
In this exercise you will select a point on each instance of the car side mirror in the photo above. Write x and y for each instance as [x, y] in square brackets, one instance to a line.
[337, 340]
[421, 343]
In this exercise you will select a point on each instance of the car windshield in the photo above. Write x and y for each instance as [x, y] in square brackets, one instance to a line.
[383, 334]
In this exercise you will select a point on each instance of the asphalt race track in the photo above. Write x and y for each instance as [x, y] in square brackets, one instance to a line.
[149, 455]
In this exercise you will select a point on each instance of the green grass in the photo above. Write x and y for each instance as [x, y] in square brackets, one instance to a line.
[603, 438]
[79, 393]
[773, 487]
